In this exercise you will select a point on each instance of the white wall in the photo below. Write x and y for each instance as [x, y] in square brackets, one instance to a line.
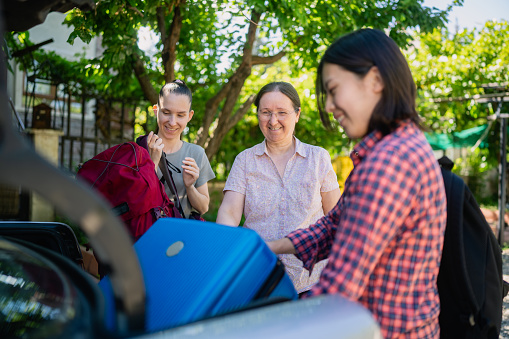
[51, 28]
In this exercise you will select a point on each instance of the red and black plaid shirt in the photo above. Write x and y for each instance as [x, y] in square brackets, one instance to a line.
[384, 237]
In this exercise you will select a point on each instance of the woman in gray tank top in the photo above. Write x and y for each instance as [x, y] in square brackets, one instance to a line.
[188, 163]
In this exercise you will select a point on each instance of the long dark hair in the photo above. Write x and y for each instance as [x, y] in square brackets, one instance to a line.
[357, 52]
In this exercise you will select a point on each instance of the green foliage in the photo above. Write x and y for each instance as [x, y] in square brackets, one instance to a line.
[83, 77]
[449, 67]
[216, 197]
[306, 27]
[457, 66]
[309, 129]
[211, 49]
[474, 166]
[213, 33]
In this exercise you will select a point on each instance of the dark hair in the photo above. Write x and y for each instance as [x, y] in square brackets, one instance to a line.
[357, 52]
[279, 86]
[176, 87]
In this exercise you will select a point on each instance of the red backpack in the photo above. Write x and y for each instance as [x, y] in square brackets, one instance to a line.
[124, 174]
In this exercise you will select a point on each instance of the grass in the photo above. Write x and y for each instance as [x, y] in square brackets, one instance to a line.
[493, 206]
[216, 197]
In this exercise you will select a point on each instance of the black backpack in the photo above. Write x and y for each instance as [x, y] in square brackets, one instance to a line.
[470, 281]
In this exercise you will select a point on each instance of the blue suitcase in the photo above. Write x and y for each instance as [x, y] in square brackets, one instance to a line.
[195, 270]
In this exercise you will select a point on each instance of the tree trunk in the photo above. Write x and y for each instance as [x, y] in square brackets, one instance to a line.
[225, 116]
[169, 53]
[230, 91]
[229, 94]
[145, 84]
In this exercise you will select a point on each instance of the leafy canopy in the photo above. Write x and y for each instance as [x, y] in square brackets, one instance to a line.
[456, 74]
[219, 47]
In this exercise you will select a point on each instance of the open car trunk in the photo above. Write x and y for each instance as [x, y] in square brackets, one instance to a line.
[69, 302]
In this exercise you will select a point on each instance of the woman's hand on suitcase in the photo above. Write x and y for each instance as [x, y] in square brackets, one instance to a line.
[191, 171]
[155, 148]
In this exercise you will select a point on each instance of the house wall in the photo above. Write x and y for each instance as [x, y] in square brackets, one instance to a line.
[52, 28]
[46, 142]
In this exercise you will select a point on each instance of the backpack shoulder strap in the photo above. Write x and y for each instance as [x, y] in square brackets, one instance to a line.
[168, 178]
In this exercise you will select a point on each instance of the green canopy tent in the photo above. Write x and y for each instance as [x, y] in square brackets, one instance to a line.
[466, 138]
[476, 137]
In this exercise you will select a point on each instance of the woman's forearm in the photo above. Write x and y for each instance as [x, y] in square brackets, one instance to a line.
[231, 209]
[282, 246]
[225, 217]
[199, 201]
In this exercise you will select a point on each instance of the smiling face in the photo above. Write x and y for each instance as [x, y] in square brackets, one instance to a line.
[351, 98]
[173, 114]
[277, 117]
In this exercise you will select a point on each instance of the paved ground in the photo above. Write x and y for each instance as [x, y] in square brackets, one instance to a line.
[492, 218]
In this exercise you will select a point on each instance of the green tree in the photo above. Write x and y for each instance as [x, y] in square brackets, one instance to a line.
[215, 45]
[449, 67]
[309, 129]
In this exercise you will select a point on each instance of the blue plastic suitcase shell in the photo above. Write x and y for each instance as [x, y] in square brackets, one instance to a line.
[213, 269]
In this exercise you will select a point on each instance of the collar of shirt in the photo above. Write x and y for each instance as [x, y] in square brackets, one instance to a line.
[299, 148]
[365, 146]
[362, 149]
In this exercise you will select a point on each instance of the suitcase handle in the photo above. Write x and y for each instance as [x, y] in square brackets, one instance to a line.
[270, 284]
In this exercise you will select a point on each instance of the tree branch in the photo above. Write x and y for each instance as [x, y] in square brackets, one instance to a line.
[210, 112]
[259, 60]
[251, 36]
[161, 23]
[241, 111]
[134, 9]
[145, 84]
[235, 85]
[170, 43]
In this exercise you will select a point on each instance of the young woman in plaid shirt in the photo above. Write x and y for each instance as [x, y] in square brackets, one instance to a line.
[384, 237]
